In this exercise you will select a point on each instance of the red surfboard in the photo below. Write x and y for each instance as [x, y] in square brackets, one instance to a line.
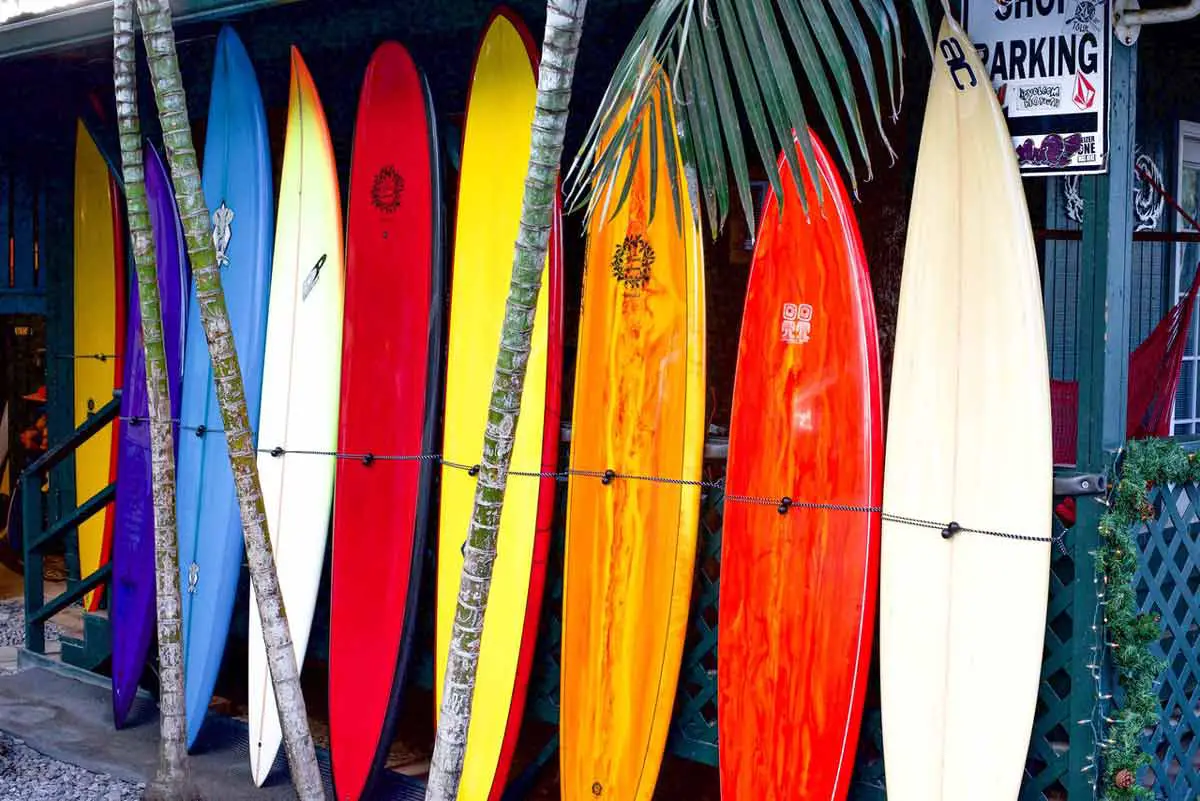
[798, 585]
[390, 405]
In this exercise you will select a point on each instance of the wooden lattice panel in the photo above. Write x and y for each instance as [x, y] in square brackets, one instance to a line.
[1168, 586]
[1046, 767]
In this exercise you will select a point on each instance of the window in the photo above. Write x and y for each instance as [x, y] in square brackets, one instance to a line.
[1186, 419]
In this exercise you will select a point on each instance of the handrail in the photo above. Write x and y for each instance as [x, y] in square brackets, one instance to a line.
[61, 602]
[36, 538]
[95, 422]
[75, 519]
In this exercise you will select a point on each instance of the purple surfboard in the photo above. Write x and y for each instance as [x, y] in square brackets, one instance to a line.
[132, 607]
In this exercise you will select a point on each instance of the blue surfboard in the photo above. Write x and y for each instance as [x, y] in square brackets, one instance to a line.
[238, 191]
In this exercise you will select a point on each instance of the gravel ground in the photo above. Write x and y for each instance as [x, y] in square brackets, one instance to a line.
[12, 624]
[25, 774]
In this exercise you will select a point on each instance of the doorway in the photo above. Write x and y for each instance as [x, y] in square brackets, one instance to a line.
[23, 416]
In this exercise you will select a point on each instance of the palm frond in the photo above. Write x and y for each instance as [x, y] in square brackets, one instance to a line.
[672, 144]
[729, 60]
[752, 99]
[627, 186]
[810, 61]
[852, 29]
[644, 51]
[653, 130]
[787, 114]
[886, 23]
[712, 64]
[698, 101]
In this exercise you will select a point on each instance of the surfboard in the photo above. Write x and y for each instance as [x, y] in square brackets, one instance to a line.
[12, 554]
[798, 587]
[239, 193]
[391, 404]
[133, 587]
[631, 544]
[962, 620]
[99, 341]
[300, 391]
[495, 159]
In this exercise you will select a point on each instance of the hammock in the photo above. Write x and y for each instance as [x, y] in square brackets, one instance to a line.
[1154, 369]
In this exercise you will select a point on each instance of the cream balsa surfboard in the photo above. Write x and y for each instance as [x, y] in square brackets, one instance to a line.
[962, 620]
[300, 392]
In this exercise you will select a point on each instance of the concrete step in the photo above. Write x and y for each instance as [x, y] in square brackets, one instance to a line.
[90, 651]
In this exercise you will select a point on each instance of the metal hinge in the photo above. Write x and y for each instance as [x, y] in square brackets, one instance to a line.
[1081, 484]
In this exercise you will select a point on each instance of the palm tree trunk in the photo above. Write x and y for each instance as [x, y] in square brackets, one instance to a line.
[172, 780]
[231, 396]
[564, 26]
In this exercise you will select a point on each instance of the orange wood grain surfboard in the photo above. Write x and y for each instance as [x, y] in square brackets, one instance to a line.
[798, 588]
[630, 545]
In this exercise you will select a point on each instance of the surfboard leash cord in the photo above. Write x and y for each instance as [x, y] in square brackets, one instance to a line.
[782, 504]
[100, 357]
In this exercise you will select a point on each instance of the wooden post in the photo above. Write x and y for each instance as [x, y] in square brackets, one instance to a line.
[31, 531]
[57, 252]
[1107, 253]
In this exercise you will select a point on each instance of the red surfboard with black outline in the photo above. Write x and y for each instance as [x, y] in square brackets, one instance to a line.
[390, 405]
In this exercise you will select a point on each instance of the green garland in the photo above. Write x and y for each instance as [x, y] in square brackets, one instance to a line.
[1147, 463]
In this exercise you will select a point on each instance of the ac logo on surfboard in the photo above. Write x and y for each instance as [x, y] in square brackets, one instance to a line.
[796, 326]
[956, 60]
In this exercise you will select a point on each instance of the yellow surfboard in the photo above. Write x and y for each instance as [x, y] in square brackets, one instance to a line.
[98, 319]
[631, 544]
[495, 160]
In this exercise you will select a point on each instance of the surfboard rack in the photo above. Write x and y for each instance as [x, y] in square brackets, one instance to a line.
[1081, 484]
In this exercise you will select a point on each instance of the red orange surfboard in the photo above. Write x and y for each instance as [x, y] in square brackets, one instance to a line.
[798, 585]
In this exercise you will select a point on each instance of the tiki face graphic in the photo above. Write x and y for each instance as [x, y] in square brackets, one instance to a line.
[631, 264]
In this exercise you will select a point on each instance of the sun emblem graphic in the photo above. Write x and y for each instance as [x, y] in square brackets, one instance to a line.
[387, 189]
[631, 264]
